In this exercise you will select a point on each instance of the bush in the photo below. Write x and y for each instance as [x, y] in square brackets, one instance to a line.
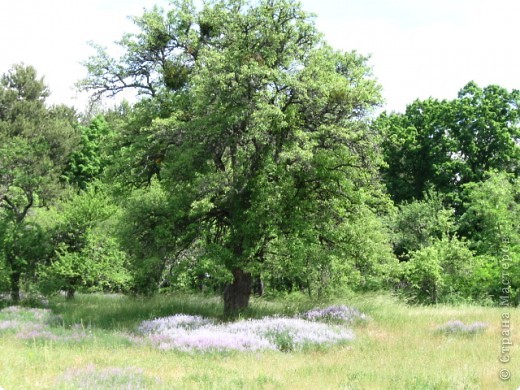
[434, 271]
[99, 266]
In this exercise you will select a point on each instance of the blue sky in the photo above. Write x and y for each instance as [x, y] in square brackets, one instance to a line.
[418, 48]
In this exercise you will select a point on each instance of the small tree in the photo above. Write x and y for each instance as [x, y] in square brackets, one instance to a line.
[99, 266]
[24, 244]
[35, 142]
[437, 272]
[491, 225]
[86, 254]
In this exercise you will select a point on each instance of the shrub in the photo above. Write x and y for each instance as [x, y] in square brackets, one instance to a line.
[431, 270]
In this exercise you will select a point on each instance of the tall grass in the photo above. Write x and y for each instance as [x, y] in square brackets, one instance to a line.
[398, 348]
[119, 312]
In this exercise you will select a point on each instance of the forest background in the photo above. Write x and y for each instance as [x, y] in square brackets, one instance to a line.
[255, 160]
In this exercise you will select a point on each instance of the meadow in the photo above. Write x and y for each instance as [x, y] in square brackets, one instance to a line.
[93, 342]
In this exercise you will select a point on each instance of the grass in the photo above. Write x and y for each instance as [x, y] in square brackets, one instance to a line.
[398, 348]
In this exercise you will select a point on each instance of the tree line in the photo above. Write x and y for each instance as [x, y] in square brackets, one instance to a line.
[253, 163]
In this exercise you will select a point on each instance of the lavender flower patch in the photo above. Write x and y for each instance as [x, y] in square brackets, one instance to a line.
[193, 333]
[92, 377]
[9, 325]
[37, 324]
[210, 338]
[35, 331]
[177, 321]
[456, 327]
[187, 333]
[23, 319]
[290, 334]
[27, 315]
[340, 314]
[74, 335]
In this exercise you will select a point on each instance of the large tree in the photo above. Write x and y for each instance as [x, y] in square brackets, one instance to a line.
[35, 142]
[445, 144]
[261, 139]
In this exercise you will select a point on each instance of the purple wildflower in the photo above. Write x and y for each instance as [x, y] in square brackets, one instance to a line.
[194, 333]
[337, 314]
[35, 333]
[9, 324]
[212, 338]
[29, 315]
[92, 377]
[177, 321]
[11, 310]
[32, 324]
[457, 327]
[297, 332]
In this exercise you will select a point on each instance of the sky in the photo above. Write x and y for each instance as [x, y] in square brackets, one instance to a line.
[417, 49]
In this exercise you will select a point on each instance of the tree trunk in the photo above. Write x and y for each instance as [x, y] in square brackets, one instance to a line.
[70, 293]
[258, 286]
[236, 294]
[15, 287]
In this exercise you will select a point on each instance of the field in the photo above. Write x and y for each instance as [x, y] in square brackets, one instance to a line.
[91, 344]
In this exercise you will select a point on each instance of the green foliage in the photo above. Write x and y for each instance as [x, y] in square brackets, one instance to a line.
[75, 216]
[90, 159]
[257, 132]
[491, 225]
[492, 213]
[357, 258]
[487, 129]
[147, 236]
[437, 272]
[437, 265]
[4, 269]
[4, 276]
[35, 142]
[419, 223]
[446, 144]
[86, 254]
[468, 150]
[24, 245]
[99, 266]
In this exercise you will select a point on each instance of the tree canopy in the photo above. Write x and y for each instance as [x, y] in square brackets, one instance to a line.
[265, 152]
[445, 144]
[252, 161]
[35, 142]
